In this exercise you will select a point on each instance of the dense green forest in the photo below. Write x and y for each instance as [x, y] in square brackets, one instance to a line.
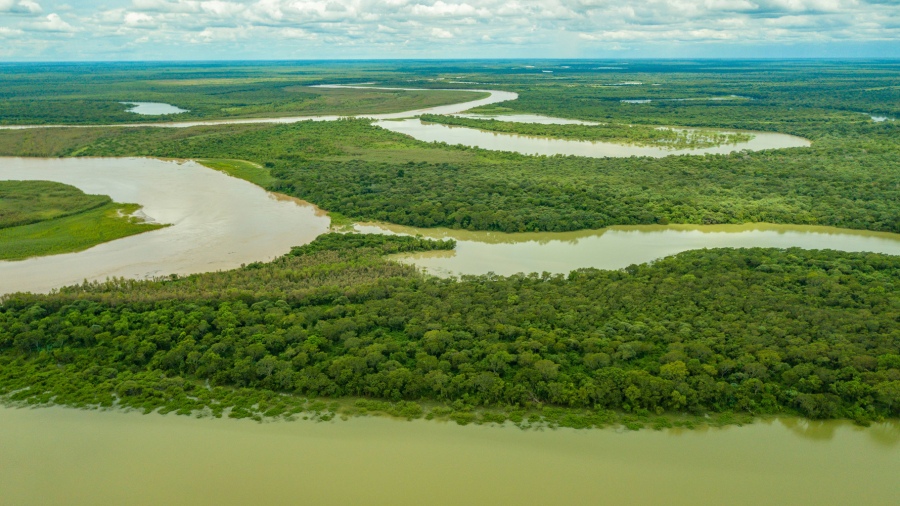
[639, 135]
[846, 179]
[710, 331]
[340, 330]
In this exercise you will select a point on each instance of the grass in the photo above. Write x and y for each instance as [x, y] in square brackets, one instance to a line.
[72, 233]
[25, 202]
[241, 169]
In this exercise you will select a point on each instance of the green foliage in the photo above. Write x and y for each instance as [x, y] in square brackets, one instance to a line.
[703, 331]
[71, 233]
[848, 181]
[24, 202]
[825, 185]
[639, 135]
[241, 169]
[382, 244]
[91, 93]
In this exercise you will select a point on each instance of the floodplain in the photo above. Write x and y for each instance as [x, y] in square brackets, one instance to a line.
[691, 290]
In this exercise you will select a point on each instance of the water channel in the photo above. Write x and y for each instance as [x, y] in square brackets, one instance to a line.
[531, 145]
[617, 247]
[67, 456]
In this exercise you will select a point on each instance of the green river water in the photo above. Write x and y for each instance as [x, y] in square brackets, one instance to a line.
[68, 456]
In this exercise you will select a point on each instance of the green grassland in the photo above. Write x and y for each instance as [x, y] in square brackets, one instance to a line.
[242, 169]
[25, 202]
[47, 218]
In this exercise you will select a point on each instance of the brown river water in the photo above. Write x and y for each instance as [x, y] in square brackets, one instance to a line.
[218, 222]
[68, 456]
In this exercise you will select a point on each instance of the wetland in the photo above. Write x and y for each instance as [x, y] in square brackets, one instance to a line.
[581, 286]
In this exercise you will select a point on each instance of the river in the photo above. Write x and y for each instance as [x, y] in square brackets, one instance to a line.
[405, 122]
[493, 97]
[75, 457]
[531, 145]
[479, 252]
[218, 222]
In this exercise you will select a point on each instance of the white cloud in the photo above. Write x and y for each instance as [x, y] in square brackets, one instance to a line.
[440, 33]
[20, 7]
[465, 27]
[53, 23]
[9, 32]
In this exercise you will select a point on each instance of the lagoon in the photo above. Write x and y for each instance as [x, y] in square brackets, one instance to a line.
[153, 108]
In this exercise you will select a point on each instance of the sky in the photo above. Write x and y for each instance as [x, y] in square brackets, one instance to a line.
[72, 30]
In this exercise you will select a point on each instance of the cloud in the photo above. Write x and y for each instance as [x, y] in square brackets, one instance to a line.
[440, 33]
[53, 23]
[478, 28]
[9, 32]
[28, 7]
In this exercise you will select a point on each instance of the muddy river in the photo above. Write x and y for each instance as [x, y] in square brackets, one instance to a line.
[68, 456]
[218, 222]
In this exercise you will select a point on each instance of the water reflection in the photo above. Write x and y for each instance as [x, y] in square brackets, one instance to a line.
[617, 247]
[67, 456]
[530, 145]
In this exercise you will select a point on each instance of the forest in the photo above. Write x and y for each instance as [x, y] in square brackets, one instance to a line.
[847, 179]
[334, 329]
[758, 331]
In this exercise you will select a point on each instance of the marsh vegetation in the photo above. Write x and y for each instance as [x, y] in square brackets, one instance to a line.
[47, 218]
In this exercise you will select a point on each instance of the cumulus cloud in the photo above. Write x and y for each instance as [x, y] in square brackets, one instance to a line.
[53, 23]
[20, 7]
[464, 27]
